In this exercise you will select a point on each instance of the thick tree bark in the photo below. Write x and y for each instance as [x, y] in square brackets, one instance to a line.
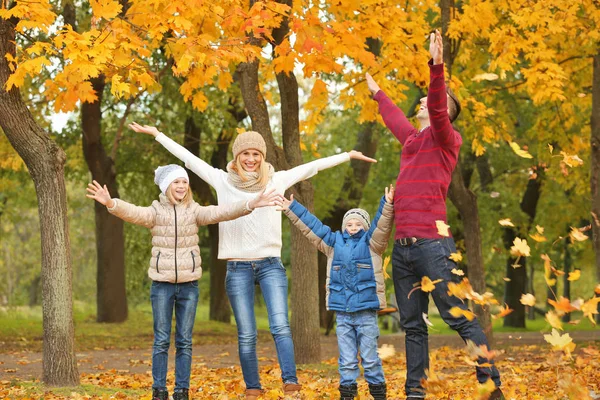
[595, 165]
[111, 296]
[45, 162]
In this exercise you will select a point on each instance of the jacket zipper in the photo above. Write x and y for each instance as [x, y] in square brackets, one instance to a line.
[157, 257]
[193, 263]
[175, 211]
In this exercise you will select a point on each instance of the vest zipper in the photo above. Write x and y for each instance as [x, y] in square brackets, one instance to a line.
[157, 257]
[175, 211]
[193, 263]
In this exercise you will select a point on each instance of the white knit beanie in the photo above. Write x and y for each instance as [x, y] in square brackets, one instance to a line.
[359, 214]
[249, 140]
[165, 174]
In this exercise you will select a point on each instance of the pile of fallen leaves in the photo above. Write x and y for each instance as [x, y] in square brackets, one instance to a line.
[528, 373]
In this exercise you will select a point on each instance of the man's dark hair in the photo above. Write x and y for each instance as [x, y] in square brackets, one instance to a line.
[453, 105]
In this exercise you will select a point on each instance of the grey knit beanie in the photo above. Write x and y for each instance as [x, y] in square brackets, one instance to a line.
[249, 140]
[359, 214]
[165, 174]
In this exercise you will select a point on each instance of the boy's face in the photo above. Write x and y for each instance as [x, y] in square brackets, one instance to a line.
[353, 225]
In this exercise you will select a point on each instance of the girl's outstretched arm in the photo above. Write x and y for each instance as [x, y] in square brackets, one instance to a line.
[144, 216]
[206, 172]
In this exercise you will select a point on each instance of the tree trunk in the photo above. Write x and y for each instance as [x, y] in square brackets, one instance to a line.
[45, 162]
[595, 166]
[568, 263]
[111, 296]
[516, 286]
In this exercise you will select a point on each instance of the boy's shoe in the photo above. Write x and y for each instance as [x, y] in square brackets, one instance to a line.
[252, 394]
[348, 392]
[291, 388]
[497, 395]
[181, 395]
[160, 394]
[379, 392]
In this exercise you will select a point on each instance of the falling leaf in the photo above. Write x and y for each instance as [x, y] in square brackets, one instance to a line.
[426, 319]
[457, 312]
[504, 311]
[554, 320]
[476, 351]
[520, 248]
[571, 160]
[590, 308]
[539, 229]
[575, 275]
[577, 235]
[506, 222]
[560, 342]
[386, 351]
[551, 148]
[518, 151]
[562, 306]
[442, 228]
[456, 257]
[427, 285]
[506, 279]
[597, 289]
[538, 238]
[458, 272]
[487, 76]
[528, 300]
[386, 262]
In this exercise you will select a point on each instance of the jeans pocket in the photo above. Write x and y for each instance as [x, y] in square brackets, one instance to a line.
[194, 283]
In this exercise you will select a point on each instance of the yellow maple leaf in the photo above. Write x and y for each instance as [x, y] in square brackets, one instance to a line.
[442, 228]
[518, 151]
[560, 342]
[562, 306]
[538, 238]
[528, 299]
[590, 308]
[539, 229]
[107, 9]
[520, 248]
[458, 312]
[487, 76]
[386, 262]
[118, 88]
[456, 257]
[576, 235]
[458, 272]
[571, 160]
[504, 311]
[575, 275]
[506, 222]
[554, 320]
[427, 285]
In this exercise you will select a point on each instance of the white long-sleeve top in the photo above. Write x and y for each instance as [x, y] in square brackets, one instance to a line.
[256, 235]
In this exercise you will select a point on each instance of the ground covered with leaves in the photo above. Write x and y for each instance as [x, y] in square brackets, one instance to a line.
[528, 372]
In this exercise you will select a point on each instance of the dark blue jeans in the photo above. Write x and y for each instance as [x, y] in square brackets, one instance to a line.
[242, 277]
[184, 297]
[429, 257]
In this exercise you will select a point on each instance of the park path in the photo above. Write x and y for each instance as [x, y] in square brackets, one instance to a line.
[28, 365]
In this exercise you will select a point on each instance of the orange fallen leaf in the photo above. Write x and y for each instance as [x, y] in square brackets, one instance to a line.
[562, 306]
[504, 311]
[457, 312]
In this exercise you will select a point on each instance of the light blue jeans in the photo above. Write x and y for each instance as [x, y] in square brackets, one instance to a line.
[184, 297]
[269, 273]
[358, 331]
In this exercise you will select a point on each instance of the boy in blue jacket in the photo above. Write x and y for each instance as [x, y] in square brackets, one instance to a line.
[355, 285]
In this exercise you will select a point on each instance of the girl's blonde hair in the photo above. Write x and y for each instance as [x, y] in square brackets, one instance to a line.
[187, 199]
[263, 170]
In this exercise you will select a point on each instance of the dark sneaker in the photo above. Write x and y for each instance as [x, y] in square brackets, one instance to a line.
[497, 395]
[348, 392]
[160, 394]
[181, 395]
[379, 392]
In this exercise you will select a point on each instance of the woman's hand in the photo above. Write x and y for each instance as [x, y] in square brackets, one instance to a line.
[100, 194]
[284, 204]
[265, 199]
[357, 155]
[389, 194]
[147, 129]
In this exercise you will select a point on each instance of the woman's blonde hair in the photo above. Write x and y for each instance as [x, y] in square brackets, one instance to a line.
[187, 199]
[262, 171]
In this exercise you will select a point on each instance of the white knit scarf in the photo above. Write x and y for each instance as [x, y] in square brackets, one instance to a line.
[251, 185]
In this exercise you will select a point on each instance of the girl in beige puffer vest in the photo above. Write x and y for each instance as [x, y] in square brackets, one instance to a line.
[175, 265]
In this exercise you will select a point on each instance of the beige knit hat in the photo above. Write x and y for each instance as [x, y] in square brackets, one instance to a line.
[249, 140]
[359, 214]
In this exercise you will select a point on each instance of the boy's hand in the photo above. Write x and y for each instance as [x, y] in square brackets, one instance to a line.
[357, 155]
[436, 47]
[284, 203]
[265, 199]
[389, 194]
[100, 194]
[147, 129]
[372, 85]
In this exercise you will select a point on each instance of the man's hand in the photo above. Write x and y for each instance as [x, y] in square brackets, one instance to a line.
[147, 129]
[284, 204]
[357, 155]
[436, 47]
[373, 86]
[389, 194]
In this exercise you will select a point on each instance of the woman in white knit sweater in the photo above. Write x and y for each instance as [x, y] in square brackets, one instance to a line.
[252, 244]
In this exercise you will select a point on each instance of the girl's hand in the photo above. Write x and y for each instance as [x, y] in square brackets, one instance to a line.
[265, 199]
[100, 194]
[389, 194]
[357, 155]
[284, 203]
[147, 129]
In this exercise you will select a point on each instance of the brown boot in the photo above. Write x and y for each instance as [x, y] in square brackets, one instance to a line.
[252, 394]
[291, 388]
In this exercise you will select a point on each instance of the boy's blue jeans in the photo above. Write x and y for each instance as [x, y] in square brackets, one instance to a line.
[430, 257]
[184, 297]
[358, 331]
[269, 273]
